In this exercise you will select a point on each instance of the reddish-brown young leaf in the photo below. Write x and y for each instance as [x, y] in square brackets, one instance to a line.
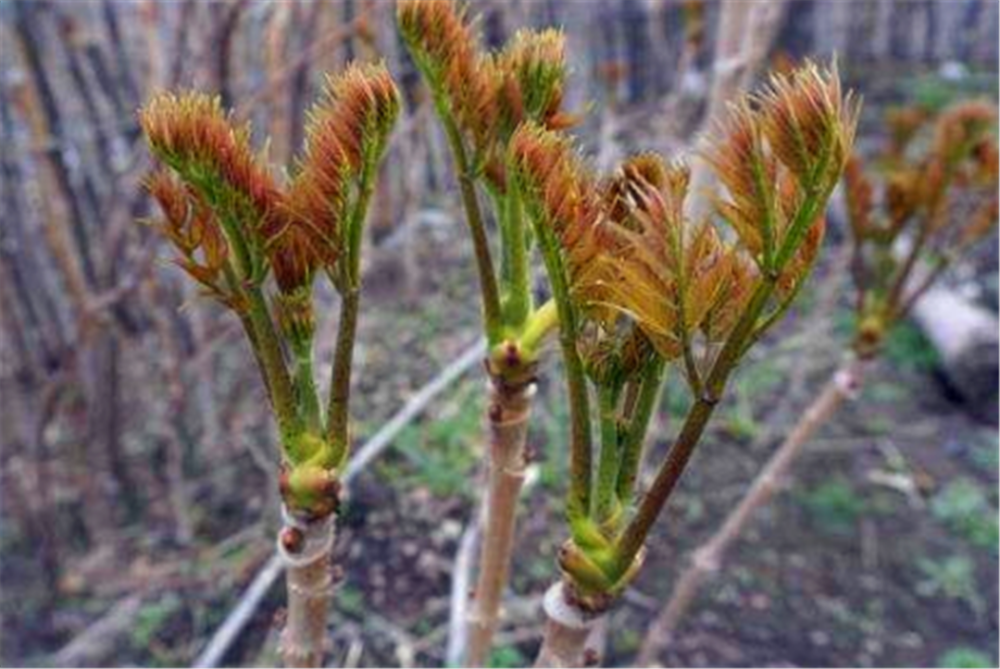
[193, 134]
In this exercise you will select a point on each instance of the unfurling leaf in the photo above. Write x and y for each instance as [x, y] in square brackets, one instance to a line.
[809, 123]
[345, 137]
[779, 155]
[798, 268]
[534, 64]
[733, 296]
[748, 174]
[192, 134]
[194, 231]
[564, 196]
[445, 50]
[487, 94]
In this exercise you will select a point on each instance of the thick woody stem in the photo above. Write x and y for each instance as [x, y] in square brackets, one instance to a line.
[705, 560]
[567, 627]
[305, 547]
[509, 410]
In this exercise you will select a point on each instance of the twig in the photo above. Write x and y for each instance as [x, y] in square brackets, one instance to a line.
[706, 560]
[405, 653]
[458, 627]
[462, 577]
[413, 407]
[91, 644]
[238, 617]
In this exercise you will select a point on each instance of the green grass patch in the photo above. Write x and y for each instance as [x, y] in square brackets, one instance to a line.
[965, 508]
[834, 504]
[953, 577]
[441, 454]
[507, 656]
[907, 347]
[963, 657]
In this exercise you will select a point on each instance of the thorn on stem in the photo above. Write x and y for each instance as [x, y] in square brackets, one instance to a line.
[292, 540]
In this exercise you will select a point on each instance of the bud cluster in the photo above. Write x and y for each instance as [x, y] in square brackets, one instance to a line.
[345, 138]
[647, 284]
[232, 224]
[938, 187]
[195, 137]
[296, 230]
[488, 94]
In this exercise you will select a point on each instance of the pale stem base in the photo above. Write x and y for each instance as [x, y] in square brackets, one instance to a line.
[567, 628]
[509, 411]
[310, 581]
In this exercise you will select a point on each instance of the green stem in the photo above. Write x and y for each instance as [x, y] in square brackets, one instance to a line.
[538, 325]
[630, 398]
[778, 313]
[815, 196]
[518, 304]
[255, 349]
[901, 278]
[767, 224]
[501, 207]
[634, 536]
[305, 386]
[607, 466]
[338, 413]
[235, 287]
[631, 450]
[473, 215]
[578, 505]
[338, 407]
[272, 359]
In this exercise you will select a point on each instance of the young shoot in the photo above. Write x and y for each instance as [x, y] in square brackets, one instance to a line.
[946, 199]
[234, 227]
[638, 287]
[481, 98]
[938, 198]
